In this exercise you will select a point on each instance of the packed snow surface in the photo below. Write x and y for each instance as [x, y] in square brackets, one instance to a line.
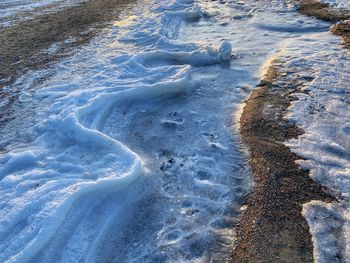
[142, 104]
[342, 4]
[14, 10]
[322, 110]
[128, 151]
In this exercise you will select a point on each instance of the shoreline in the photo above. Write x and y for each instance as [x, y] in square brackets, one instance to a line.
[25, 44]
[40, 42]
[272, 228]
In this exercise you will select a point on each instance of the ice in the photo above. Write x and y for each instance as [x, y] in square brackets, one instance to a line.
[129, 151]
[342, 4]
[322, 111]
[71, 166]
[28, 8]
[41, 184]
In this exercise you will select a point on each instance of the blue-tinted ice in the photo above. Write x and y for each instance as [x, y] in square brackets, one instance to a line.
[132, 151]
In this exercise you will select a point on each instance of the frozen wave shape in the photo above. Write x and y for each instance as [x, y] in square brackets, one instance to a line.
[209, 56]
[41, 183]
[71, 158]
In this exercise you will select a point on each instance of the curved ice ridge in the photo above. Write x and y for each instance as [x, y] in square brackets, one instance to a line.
[71, 158]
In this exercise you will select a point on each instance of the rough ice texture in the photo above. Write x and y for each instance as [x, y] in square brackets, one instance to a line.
[132, 156]
[343, 4]
[322, 111]
[25, 9]
[74, 180]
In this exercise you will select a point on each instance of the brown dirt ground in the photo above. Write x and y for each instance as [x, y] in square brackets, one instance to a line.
[322, 11]
[23, 44]
[343, 29]
[272, 228]
[325, 12]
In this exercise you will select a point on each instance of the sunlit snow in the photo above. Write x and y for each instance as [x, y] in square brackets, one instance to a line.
[130, 151]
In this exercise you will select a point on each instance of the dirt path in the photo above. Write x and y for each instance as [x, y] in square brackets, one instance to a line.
[23, 45]
[272, 228]
[327, 13]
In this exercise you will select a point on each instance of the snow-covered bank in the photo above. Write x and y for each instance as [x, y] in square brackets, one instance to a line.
[322, 111]
[130, 154]
[57, 188]
[342, 4]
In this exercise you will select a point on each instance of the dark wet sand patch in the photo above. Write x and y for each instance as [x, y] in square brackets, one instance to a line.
[24, 45]
[272, 228]
[328, 13]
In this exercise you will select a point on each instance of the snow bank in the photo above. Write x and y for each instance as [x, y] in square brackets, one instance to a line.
[342, 4]
[322, 111]
[71, 158]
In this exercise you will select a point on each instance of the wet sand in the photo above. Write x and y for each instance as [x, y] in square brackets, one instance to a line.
[272, 228]
[24, 45]
[328, 13]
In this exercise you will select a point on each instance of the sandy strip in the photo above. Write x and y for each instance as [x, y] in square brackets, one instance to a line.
[327, 13]
[322, 11]
[23, 45]
[272, 228]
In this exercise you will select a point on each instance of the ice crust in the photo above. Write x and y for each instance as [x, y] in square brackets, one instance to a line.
[70, 159]
[342, 4]
[25, 9]
[322, 111]
[128, 152]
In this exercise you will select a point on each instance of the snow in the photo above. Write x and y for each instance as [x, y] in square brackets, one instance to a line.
[128, 151]
[322, 111]
[342, 4]
[11, 10]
